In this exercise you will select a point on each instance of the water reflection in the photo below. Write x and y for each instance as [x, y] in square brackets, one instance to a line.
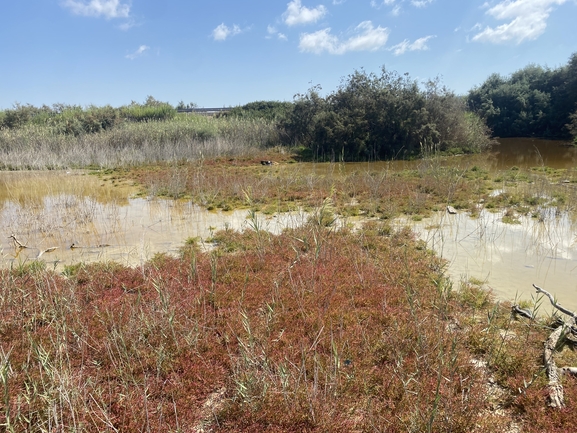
[509, 257]
[56, 210]
[533, 152]
[127, 230]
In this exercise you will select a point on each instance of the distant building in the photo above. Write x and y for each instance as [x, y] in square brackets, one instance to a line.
[204, 111]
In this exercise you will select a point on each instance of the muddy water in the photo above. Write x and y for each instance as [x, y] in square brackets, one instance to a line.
[533, 152]
[86, 221]
[510, 258]
[62, 209]
[523, 153]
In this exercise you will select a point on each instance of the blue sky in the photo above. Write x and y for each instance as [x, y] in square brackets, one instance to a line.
[224, 53]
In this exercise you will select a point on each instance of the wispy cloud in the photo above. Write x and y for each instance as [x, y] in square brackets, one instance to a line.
[296, 13]
[139, 52]
[222, 32]
[396, 7]
[419, 45]
[98, 8]
[365, 37]
[527, 20]
[378, 4]
[421, 3]
[128, 25]
[272, 31]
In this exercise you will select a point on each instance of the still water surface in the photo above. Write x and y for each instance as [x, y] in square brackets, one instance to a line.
[87, 221]
[510, 258]
[57, 209]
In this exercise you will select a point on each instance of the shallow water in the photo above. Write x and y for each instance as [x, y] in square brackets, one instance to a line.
[104, 225]
[533, 152]
[46, 210]
[510, 258]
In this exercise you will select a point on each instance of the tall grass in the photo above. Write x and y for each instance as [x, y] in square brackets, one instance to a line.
[184, 138]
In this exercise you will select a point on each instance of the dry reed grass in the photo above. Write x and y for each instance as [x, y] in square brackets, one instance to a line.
[183, 139]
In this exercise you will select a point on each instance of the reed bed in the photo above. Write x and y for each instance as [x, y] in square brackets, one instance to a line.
[184, 138]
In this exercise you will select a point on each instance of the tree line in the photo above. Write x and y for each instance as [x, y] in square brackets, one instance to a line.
[533, 102]
[370, 116]
[77, 120]
[374, 117]
[382, 116]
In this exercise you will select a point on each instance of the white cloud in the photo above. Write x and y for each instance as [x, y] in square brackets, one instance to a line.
[298, 14]
[527, 20]
[222, 32]
[272, 31]
[416, 3]
[128, 25]
[377, 5]
[419, 45]
[97, 8]
[139, 52]
[396, 4]
[420, 3]
[365, 38]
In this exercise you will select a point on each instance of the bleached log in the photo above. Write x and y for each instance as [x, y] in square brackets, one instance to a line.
[555, 387]
[556, 397]
[554, 303]
[568, 370]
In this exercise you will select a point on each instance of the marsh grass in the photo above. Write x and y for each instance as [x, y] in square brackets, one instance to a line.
[316, 329]
[313, 330]
[374, 191]
[184, 138]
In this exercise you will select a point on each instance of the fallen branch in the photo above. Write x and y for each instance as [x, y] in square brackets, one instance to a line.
[553, 373]
[554, 302]
[17, 243]
[555, 387]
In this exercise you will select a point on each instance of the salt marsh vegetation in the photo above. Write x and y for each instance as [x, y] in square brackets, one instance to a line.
[216, 316]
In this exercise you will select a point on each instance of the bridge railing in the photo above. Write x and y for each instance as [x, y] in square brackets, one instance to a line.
[206, 111]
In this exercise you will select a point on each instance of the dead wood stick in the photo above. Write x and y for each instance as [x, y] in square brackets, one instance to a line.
[555, 387]
[554, 303]
[17, 243]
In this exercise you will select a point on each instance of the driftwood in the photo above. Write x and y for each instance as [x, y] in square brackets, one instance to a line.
[518, 311]
[554, 373]
[17, 243]
[19, 246]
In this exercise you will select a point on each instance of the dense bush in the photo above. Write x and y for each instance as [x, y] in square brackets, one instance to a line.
[269, 110]
[369, 117]
[76, 120]
[380, 117]
[533, 101]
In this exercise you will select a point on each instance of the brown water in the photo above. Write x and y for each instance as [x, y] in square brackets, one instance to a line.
[87, 221]
[533, 152]
[523, 153]
[60, 209]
